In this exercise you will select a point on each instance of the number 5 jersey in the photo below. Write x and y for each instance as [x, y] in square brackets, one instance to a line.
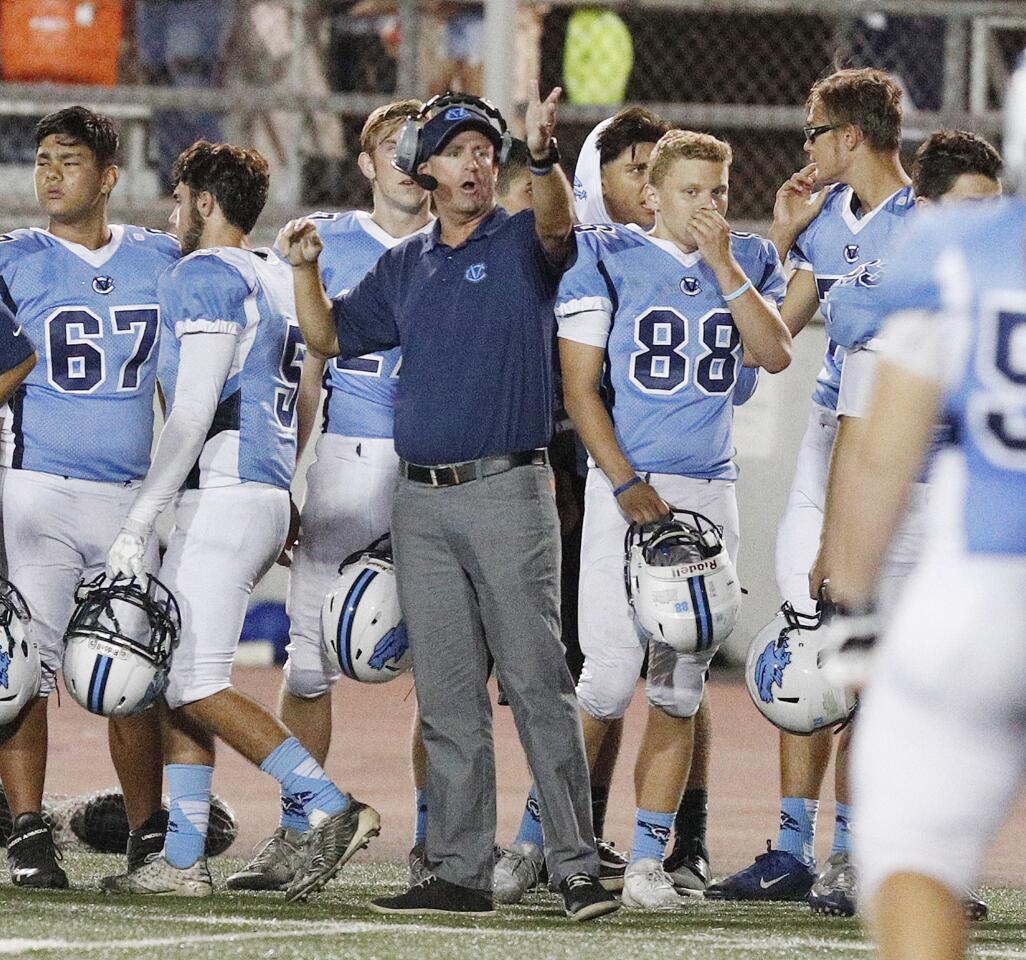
[86, 410]
[248, 294]
[673, 354]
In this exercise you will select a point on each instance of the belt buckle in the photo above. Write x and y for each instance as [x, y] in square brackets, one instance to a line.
[438, 474]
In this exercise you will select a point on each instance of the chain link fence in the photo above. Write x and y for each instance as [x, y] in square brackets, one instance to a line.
[297, 77]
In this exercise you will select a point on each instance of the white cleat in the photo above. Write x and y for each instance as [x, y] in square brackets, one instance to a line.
[646, 886]
[157, 877]
[517, 871]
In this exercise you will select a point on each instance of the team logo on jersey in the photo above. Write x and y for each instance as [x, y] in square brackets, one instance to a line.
[103, 284]
[456, 113]
[5, 662]
[475, 272]
[579, 192]
[851, 252]
[769, 668]
[690, 286]
[866, 274]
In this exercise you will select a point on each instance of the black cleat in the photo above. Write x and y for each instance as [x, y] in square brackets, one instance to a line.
[612, 864]
[688, 866]
[32, 854]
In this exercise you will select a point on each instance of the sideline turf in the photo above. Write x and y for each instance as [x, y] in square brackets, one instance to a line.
[335, 923]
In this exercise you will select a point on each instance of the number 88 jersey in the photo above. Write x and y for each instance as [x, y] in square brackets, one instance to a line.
[673, 354]
[86, 410]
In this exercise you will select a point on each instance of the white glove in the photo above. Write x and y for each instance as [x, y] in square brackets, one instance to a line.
[127, 555]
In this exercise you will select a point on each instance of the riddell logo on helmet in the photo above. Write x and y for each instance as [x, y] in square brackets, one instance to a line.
[690, 569]
[108, 650]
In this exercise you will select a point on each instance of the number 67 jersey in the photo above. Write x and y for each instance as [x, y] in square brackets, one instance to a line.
[86, 410]
[673, 354]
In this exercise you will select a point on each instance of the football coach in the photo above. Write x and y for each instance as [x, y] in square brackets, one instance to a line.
[474, 525]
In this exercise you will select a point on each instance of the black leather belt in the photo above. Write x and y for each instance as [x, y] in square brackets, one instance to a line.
[451, 474]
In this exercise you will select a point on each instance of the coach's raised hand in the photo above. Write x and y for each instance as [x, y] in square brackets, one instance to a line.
[552, 200]
[301, 246]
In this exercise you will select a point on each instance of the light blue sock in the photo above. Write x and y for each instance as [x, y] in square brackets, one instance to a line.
[842, 829]
[302, 778]
[189, 787]
[651, 834]
[798, 828]
[292, 814]
[530, 824]
[420, 827]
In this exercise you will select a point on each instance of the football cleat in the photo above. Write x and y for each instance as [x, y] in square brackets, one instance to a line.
[688, 866]
[835, 889]
[159, 878]
[144, 844]
[275, 864]
[331, 844]
[975, 906]
[646, 886]
[775, 875]
[32, 854]
[518, 870]
[419, 871]
[612, 865]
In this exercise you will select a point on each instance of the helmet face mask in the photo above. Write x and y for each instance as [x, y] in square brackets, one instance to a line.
[119, 642]
[20, 669]
[784, 676]
[362, 629]
[681, 582]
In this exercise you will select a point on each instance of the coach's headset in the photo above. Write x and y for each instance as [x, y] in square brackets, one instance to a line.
[438, 121]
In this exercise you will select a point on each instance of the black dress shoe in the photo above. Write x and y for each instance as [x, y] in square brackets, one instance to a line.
[584, 897]
[435, 895]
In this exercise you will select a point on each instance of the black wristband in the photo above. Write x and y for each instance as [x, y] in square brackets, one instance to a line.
[543, 167]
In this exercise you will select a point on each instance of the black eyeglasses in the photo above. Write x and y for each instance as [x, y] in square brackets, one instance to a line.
[812, 132]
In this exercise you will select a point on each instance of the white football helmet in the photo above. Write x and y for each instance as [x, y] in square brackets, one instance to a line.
[681, 582]
[785, 678]
[118, 645]
[20, 671]
[362, 627]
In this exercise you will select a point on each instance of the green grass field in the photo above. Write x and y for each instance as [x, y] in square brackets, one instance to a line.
[335, 923]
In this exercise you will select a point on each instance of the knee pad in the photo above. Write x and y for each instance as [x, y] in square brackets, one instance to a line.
[306, 684]
[683, 696]
[605, 695]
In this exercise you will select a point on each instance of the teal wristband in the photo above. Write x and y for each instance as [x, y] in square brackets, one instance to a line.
[624, 487]
[740, 291]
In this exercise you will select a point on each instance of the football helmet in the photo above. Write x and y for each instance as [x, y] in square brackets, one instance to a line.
[118, 645]
[681, 582]
[20, 670]
[785, 678]
[362, 627]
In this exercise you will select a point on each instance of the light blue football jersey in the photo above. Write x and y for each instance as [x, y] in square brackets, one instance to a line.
[250, 293]
[967, 264]
[838, 241]
[86, 410]
[361, 391]
[673, 352]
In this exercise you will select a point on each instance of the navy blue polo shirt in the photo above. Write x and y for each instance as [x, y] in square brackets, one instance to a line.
[15, 346]
[476, 326]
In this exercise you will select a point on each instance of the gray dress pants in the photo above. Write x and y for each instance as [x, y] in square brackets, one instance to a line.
[478, 572]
